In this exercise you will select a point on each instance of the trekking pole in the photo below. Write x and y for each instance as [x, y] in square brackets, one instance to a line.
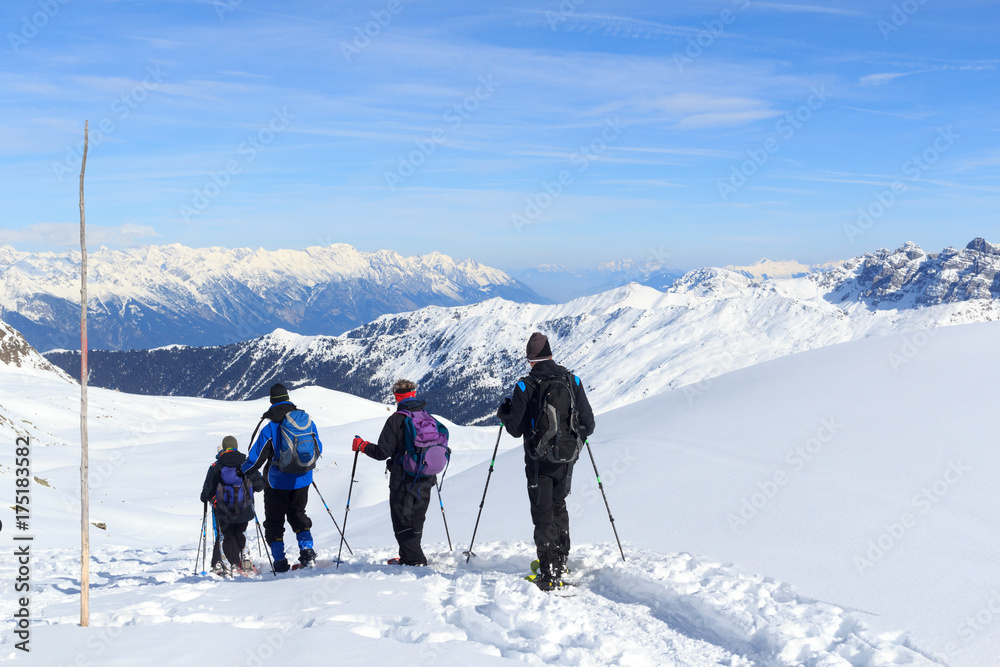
[600, 485]
[260, 538]
[334, 520]
[201, 538]
[444, 518]
[469, 554]
[204, 545]
[348, 508]
[215, 545]
[257, 535]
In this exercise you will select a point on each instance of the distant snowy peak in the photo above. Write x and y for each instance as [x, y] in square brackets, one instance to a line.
[711, 282]
[908, 276]
[617, 266]
[153, 296]
[143, 267]
[766, 268]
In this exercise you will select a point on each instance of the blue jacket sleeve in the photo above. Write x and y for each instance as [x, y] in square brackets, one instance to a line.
[261, 450]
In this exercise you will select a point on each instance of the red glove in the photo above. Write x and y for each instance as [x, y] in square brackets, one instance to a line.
[358, 445]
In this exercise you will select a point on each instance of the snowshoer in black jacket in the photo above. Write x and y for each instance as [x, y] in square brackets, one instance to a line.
[548, 483]
[409, 495]
[230, 525]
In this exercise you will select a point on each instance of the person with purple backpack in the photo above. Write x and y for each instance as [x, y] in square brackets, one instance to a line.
[414, 446]
[231, 496]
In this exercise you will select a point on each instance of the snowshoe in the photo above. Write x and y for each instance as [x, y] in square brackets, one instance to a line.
[394, 561]
[546, 581]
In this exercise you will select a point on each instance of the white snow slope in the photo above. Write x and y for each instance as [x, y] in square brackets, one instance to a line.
[851, 490]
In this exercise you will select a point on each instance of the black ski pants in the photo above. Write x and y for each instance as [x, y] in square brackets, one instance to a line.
[281, 504]
[548, 486]
[233, 538]
[408, 502]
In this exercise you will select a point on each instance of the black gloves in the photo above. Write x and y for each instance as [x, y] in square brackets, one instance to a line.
[239, 472]
[503, 412]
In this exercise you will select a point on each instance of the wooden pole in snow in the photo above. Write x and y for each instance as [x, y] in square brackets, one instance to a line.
[84, 458]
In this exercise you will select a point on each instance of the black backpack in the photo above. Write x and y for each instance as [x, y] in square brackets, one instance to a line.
[555, 432]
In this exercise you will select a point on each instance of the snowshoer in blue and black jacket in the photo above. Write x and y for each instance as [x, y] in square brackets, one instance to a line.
[548, 483]
[409, 497]
[285, 494]
[230, 528]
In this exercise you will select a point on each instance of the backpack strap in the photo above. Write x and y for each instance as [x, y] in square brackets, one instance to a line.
[397, 459]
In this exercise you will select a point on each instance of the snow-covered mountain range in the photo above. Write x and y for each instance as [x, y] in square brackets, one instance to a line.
[160, 295]
[910, 277]
[626, 344]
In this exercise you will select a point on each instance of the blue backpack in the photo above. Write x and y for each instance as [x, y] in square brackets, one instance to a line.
[297, 449]
[426, 439]
[233, 495]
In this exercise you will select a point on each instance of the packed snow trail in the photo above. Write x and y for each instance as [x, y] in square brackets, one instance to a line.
[654, 610]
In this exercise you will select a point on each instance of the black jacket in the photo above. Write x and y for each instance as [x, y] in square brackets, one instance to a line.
[522, 403]
[234, 459]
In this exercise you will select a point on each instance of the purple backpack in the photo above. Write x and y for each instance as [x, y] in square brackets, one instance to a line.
[233, 496]
[426, 439]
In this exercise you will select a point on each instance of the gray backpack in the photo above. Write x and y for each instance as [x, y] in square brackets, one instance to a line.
[297, 449]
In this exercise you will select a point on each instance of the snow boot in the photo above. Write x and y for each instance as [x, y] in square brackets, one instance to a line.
[559, 568]
[536, 564]
[544, 577]
[307, 558]
[281, 565]
[219, 569]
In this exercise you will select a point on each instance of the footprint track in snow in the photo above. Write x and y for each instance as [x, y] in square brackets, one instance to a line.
[527, 624]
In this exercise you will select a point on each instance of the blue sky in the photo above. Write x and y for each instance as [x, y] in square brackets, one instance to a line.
[684, 133]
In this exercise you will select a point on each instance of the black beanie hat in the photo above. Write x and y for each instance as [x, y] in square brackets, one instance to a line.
[278, 393]
[538, 347]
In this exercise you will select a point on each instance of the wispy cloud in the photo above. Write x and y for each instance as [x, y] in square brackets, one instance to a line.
[157, 42]
[988, 160]
[885, 77]
[809, 9]
[67, 234]
[907, 116]
[613, 26]
[644, 183]
[725, 119]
